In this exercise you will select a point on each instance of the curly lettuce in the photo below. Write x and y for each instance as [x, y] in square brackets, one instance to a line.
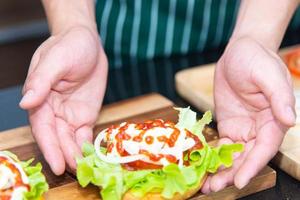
[171, 179]
[37, 181]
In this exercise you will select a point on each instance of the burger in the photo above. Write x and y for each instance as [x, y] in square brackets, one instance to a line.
[154, 160]
[20, 180]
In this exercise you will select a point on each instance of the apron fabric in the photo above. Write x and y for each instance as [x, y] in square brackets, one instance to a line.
[145, 29]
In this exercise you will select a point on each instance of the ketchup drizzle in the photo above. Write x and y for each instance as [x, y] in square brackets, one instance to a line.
[143, 127]
[6, 194]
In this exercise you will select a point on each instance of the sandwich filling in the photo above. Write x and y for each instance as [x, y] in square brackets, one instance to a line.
[13, 180]
[149, 145]
[156, 156]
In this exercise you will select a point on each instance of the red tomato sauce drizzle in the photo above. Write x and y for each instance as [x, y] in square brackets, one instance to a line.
[122, 135]
[6, 194]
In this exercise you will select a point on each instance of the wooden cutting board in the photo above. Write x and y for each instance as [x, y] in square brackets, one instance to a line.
[196, 86]
[138, 109]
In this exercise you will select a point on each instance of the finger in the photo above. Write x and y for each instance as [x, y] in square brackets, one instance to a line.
[67, 142]
[37, 56]
[222, 179]
[43, 129]
[224, 140]
[226, 176]
[206, 186]
[267, 144]
[34, 61]
[84, 134]
[48, 72]
[278, 90]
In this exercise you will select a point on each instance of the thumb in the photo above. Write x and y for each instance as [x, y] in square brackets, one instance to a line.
[39, 82]
[274, 83]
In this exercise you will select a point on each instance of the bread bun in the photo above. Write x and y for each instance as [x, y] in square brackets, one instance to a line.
[156, 196]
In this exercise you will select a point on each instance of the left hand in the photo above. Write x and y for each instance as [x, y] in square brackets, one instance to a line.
[254, 105]
[63, 93]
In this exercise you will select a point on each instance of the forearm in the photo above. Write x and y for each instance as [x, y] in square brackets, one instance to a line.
[64, 14]
[264, 20]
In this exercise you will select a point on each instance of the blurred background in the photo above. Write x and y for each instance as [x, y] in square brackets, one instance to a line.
[23, 27]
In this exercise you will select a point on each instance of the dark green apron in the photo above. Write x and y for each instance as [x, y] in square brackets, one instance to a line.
[145, 29]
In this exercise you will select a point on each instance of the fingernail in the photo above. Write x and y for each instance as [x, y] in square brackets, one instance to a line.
[27, 97]
[217, 183]
[57, 170]
[291, 115]
[241, 183]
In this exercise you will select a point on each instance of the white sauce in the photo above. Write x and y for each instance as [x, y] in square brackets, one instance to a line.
[182, 144]
[18, 193]
[7, 178]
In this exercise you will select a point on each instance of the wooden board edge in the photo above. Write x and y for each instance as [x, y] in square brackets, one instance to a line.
[109, 113]
[200, 100]
[206, 67]
[16, 137]
[73, 191]
[286, 164]
[259, 183]
[138, 105]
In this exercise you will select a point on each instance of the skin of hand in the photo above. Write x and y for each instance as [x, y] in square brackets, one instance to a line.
[254, 105]
[253, 92]
[63, 93]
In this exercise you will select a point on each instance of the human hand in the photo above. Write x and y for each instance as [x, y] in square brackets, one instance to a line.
[63, 93]
[254, 105]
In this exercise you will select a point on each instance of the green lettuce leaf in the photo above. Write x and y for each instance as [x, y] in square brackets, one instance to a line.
[174, 181]
[91, 169]
[37, 181]
[114, 181]
[213, 158]
[199, 125]
[154, 181]
[222, 156]
[188, 119]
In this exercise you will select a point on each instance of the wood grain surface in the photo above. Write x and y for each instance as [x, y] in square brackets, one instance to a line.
[137, 109]
[196, 86]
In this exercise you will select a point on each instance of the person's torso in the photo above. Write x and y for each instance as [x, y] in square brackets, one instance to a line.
[144, 29]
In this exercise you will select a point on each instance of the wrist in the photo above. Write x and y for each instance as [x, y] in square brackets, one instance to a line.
[264, 21]
[268, 43]
[64, 15]
[71, 24]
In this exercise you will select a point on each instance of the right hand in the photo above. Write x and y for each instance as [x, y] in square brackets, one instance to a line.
[63, 93]
[254, 105]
